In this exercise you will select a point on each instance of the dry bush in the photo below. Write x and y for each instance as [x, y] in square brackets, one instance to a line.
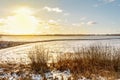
[39, 58]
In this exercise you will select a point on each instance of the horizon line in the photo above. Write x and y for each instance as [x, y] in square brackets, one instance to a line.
[56, 34]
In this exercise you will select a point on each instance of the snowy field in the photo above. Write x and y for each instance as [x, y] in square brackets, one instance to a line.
[19, 54]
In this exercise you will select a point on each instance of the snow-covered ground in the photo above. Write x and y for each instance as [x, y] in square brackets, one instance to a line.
[53, 75]
[49, 75]
[20, 53]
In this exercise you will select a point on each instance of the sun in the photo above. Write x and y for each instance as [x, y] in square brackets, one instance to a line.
[23, 22]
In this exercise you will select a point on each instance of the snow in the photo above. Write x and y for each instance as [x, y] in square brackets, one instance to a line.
[19, 54]
[53, 75]
[49, 75]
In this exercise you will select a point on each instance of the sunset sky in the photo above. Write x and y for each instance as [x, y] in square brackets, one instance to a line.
[59, 16]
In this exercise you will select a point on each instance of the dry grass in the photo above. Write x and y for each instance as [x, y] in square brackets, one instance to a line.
[39, 58]
[87, 61]
[96, 59]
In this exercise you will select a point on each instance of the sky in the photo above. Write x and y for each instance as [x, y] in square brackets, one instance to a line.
[59, 17]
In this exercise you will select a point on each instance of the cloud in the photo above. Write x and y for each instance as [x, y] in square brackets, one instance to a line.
[13, 25]
[84, 23]
[56, 10]
[25, 23]
[49, 9]
[78, 24]
[108, 1]
[91, 22]
[103, 2]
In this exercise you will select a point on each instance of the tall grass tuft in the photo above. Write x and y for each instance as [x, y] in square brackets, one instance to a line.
[39, 58]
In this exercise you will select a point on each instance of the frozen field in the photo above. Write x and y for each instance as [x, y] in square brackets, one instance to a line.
[19, 53]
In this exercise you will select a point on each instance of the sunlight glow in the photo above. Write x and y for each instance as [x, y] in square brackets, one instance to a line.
[24, 11]
[23, 22]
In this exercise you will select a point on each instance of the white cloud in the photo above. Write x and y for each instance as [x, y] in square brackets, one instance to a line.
[84, 23]
[109, 1]
[49, 9]
[56, 10]
[103, 2]
[78, 24]
[91, 22]
[19, 23]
